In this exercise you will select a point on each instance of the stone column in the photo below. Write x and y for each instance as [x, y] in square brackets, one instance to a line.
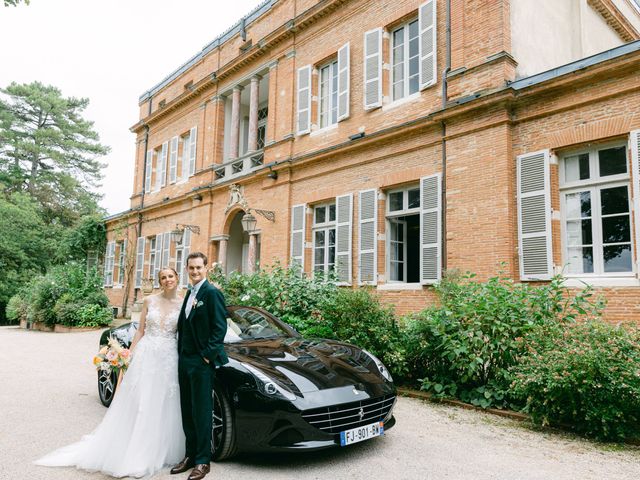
[253, 113]
[223, 241]
[234, 148]
[253, 245]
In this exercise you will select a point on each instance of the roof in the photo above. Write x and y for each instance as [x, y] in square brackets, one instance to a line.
[251, 17]
[577, 65]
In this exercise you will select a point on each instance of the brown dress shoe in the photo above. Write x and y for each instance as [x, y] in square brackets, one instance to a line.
[183, 466]
[199, 472]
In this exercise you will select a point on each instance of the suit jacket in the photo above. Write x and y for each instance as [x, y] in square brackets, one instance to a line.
[208, 321]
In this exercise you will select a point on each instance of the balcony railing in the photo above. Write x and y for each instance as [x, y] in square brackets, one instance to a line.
[240, 166]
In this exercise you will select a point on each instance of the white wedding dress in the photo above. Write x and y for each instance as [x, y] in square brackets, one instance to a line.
[142, 431]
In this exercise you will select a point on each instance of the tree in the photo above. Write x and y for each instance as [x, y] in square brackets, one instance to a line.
[26, 244]
[88, 236]
[15, 2]
[49, 151]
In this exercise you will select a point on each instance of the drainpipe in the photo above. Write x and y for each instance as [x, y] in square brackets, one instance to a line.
[144, 179]
[443, 125]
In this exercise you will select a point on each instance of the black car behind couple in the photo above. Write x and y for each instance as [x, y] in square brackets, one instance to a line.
[282, 392]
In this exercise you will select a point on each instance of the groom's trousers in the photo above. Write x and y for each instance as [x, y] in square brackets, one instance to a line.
[196, 379]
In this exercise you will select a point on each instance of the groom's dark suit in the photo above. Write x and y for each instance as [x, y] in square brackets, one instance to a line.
[200, 336]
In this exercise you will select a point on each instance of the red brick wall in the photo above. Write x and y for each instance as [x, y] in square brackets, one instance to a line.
[403, 141]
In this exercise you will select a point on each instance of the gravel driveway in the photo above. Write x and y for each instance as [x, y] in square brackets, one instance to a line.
[48, 398]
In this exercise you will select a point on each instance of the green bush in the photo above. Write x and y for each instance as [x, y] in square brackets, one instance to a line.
[60, 294]
[282, 291]
[465, 346]
[17, 308]
[585, 376]
[93, 315]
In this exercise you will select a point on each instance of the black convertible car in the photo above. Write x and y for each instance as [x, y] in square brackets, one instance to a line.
[282, 392]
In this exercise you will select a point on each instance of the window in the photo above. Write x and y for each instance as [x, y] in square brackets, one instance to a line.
[109, 263]
[595, 199]
[160, 154]
[187, 154]
[152, 257]
[263, 113]
[122, 261]
[324, 238]
[405, 56]
[403, 240]
[328, 110]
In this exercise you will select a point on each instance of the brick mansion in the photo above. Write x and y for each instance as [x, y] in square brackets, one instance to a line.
[391, 142]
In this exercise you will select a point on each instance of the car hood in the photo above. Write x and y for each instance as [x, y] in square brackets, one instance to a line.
[308, 365]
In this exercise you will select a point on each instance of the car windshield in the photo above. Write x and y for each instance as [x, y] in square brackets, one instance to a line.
[250, 324]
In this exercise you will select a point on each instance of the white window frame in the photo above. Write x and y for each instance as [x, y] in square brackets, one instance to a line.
[184, 140]
[152, 257]
[332, 103]
[262, 124]
[391, 216]
[325, 227]
[406, 41]
[595, 184]
[401, 224]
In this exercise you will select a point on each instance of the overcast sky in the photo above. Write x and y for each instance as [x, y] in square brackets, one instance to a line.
[110, 52]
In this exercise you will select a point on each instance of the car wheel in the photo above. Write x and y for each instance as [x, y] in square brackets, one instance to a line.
[223, 434]
[107, 386]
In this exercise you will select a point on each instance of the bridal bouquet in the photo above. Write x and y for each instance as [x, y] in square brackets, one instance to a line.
[112, 357]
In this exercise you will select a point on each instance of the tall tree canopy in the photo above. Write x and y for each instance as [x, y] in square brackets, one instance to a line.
[49, 169]
[15, 2]
[49, 151]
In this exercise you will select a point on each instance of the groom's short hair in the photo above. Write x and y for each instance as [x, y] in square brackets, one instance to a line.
[201, 255]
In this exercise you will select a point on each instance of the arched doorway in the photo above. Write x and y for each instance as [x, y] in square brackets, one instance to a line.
[238, 248]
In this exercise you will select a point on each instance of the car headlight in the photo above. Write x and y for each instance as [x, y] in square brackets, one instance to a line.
[267, 385]
[381, 368]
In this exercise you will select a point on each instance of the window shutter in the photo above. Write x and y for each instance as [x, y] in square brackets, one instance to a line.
[344, 218]
[428, 44]
[368, 251]
[534, 216]
[157, 260]
[298, 217]
[186, 249]
[166, 249]
[123, 263]
[430, 229]
[635, 178]
[373, 68]
[343, 82]
[147, 172]
[109, 263]
[186, 143]
[192, 150]
[162, 167]
[173, 160]
[304, 100]
[139, 261]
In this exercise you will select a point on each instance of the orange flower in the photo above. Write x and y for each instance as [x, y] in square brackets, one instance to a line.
[97, 361]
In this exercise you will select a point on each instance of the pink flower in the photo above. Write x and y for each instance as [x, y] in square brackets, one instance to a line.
[111, 355]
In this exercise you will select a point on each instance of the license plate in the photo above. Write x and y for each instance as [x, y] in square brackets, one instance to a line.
[360, 434]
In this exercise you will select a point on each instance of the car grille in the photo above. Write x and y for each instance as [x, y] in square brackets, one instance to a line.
[337, 418]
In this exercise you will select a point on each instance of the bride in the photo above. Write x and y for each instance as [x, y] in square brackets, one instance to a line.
[142, 430]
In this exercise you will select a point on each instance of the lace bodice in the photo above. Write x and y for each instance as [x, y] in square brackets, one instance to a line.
[162, 318]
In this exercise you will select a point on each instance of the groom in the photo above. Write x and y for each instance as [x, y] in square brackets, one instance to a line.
[201, 328]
